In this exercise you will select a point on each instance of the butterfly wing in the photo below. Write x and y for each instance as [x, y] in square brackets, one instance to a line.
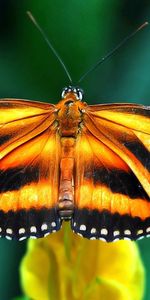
[29, 155]
[112, 186]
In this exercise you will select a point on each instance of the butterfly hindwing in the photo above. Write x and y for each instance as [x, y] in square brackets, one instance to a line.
[29, 159]
[112, 173]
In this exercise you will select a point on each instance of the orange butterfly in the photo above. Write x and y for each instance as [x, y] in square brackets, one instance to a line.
[89, 164]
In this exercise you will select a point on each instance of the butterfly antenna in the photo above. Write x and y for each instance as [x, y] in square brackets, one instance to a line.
[49, 44]
[108, 55]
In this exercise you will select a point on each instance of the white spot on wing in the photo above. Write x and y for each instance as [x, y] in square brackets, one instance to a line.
[33, 229]
[140, 231]
[79, 234]
[33, 237]
[8, 237]
[140, 238]
[148, 229]
[46, 234]
[102, 239]
[127, 232]
[21, 230]
[83, 227]
[93, 230]
[104, 231]
[9, 231]
[22, 238]
[116, 232]
[115, 240]
[44, 227]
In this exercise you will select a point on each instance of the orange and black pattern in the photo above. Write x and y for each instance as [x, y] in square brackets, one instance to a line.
[29, 153]
[96, 158]
[113, 179]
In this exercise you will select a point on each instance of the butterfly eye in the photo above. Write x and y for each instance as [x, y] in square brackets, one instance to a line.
[79, 92]
[64, 92]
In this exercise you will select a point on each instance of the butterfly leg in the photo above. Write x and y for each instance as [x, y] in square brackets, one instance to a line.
[66, 187]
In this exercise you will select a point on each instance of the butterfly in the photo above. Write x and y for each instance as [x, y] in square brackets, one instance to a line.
[87, 164]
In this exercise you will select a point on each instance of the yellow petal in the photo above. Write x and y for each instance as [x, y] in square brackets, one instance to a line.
[64, 266]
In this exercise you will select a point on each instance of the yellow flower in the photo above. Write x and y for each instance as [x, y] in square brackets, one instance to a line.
[64, 266]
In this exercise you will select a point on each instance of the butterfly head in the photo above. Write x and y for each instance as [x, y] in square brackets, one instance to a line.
[78, 93]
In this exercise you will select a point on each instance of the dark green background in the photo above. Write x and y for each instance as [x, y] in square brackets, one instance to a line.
[82, 32]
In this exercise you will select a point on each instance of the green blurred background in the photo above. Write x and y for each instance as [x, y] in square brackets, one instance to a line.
[82, 32]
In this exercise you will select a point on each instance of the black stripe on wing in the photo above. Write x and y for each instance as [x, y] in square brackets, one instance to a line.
[33, 223]
[92, 224]
[140, 152]
[15, 178]
[118, 181]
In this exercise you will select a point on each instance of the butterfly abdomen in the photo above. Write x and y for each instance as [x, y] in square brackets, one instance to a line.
[66, 185]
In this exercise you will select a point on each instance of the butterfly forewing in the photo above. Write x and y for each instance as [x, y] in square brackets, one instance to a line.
[112, 173]
[29, 164]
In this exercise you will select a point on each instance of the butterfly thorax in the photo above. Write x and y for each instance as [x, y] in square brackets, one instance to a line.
[69, 115]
